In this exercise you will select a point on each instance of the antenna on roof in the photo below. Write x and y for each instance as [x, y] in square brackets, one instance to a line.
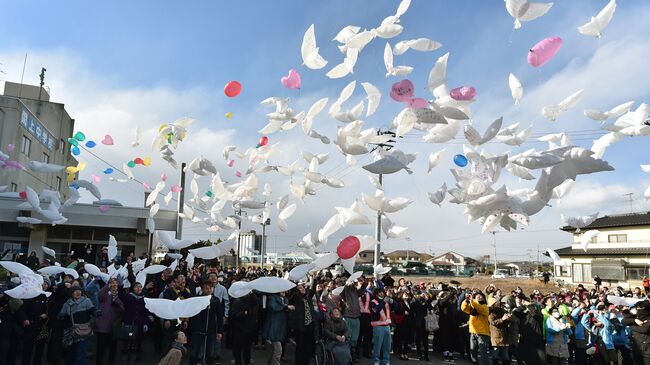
[631, 200]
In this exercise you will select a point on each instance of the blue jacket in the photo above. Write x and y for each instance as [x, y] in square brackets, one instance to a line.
[552, 329]
[580, 327]
[605, 333]
[621, 335]
[275, 326]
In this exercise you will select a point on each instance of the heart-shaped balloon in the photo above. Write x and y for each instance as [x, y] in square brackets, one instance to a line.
[238, 174]
[463, 93]
[176, 189]
[138, 161]
[91, 144]
[231, 163]
[292, 80]
[146, 186]
[96, 179]
[108, 140]
[147, 161]
[10, 147]
[163, 177]
[79, 136]
[104, 208]
[418, 103]
[108, 171]
[402, 91]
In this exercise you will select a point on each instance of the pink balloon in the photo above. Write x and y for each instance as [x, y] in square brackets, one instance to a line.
[463, 93]
[163, 177]
[108, 140]
[402, 91]
[543, 51]
[231, 163]
[418, 103]
[291, 81]
[238, 174]
[176, 188]
[104, 208]
[146, 186]
[348, 247]
[96, 179]
[10, 147]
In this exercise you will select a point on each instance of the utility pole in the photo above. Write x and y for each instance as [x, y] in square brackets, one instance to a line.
[238, 213]
[538, 257]
[181, 201]
[388, 145]
[494, 243]
[378, 235]
[263, 244]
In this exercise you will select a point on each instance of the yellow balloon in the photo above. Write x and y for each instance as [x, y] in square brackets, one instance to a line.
[70, 177]
[81, 166]
[71, 169]
[162, 126]
[147, 161]
[229, 115]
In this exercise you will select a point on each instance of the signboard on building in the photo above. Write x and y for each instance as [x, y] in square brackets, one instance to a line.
[34, 126]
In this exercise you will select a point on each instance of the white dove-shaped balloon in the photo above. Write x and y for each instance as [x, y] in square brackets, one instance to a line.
[595, 26]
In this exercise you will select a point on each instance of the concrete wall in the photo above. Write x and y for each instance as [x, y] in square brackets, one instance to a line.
[57, 123]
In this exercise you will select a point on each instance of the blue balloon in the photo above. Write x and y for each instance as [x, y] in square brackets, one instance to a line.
[91, 144]
[75, 150]
[460, 160]
[108, 171]
[74, 186]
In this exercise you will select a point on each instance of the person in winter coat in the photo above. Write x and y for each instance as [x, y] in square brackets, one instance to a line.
[32, 317]
[275, 326]
[32, 261]
[301, 321]
[206, 329]
[335, 333]
[176, 352]
[136, 315]
[78, 314]
[499, 321]
[364, 343]
[579, 334]
[405, 326]
[381, 307]
[557, 337]
[531, 341]
[351, 312]
[638, 321]
[6, 330]
[476, 307]
[446, 309]
[421, 308]
[109, 312]
[55, 303]
[242, 320]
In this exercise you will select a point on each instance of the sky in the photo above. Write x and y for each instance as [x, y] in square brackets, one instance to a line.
[123, 64]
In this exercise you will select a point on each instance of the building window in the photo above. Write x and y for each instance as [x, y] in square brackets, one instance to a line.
[614, 238]
[581, 273]
[62, 146]
[26, 145]
[563, 271]
[636, 273]
[58, 183]
[14, 187]
[46, 158]
[594, 239]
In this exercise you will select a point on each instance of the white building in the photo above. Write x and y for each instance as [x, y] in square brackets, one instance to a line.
[619, 254]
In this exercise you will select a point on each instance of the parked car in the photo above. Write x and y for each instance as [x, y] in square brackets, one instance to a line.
[500, 274]
[413, 268]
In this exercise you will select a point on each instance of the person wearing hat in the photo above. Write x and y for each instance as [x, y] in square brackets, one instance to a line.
[638, 321]
[381, 307]
[77, 313]
[479, 328]
[499, 321]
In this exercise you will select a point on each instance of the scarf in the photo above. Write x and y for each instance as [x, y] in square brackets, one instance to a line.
[178, 346]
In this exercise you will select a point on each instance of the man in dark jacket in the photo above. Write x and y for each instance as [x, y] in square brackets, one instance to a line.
[639, 324]
[206, 329]
[531, 342]
[301, 321]
[420, 309]
[242, 319]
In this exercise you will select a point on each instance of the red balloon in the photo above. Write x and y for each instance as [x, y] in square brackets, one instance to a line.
[232, 89]
[138, 161]
[22, 195]
[263, 141]
[348, 247]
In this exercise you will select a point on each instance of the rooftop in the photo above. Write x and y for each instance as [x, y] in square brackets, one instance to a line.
[631, 251]
[616, 220]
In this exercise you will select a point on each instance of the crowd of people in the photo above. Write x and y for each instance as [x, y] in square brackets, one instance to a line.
[348, 318]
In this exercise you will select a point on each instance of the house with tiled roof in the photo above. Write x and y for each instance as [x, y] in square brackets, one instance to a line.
[454, 263]
[619, 253]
